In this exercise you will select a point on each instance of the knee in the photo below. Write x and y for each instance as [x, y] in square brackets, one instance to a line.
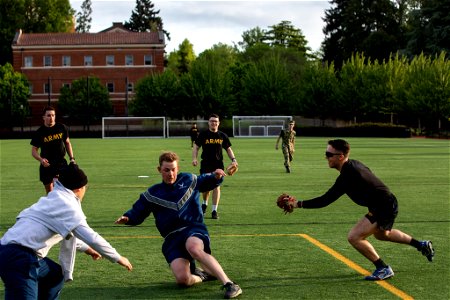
[352, 239]
[183, 279]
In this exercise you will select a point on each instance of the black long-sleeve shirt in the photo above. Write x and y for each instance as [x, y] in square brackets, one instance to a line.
[360, 184]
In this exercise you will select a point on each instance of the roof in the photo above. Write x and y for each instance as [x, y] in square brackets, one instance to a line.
[101, 38]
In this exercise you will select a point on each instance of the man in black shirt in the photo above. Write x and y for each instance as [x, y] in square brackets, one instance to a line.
[365, 189]
[213, 141]
[53, 140]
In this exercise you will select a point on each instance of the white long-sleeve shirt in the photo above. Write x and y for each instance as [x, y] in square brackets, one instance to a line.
[54, 218]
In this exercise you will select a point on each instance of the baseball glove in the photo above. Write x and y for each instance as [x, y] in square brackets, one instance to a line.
[286, 203]
[231, 169]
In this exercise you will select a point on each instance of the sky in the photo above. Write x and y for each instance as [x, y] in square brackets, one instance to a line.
[207, 22]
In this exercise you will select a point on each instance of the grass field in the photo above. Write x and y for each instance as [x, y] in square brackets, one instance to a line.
[304, 255]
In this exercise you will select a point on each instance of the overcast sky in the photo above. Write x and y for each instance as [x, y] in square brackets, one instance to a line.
[206, 23]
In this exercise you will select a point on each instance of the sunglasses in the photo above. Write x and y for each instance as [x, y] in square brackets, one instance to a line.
[331, 154]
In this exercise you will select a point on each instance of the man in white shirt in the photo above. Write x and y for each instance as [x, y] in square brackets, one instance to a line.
[56, 218]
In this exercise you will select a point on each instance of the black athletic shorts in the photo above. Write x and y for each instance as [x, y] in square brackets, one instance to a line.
[210, 166]
[46, 174]
[384, 215]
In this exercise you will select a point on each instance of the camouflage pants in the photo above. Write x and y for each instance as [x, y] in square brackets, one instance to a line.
[288, 156]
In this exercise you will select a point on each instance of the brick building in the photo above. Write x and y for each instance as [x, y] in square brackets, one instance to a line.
[118, 57]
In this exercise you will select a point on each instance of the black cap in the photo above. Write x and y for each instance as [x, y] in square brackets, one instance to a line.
[72, 177]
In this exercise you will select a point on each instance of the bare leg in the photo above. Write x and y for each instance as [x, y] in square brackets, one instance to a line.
[205, 196]
[357, 237]
[181, 271]
[48, 187]
[216, 196]
[195, 247]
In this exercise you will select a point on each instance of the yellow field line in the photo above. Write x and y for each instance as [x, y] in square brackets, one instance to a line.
[348, 262]
[356, 267]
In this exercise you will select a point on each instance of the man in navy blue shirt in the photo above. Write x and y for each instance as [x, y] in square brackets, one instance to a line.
[178, 216]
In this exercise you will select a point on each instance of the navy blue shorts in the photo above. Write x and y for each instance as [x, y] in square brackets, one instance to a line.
[174, 245]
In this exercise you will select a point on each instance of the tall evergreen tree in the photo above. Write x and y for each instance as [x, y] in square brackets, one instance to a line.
[145, 18]
[370, 27]
[84, 18]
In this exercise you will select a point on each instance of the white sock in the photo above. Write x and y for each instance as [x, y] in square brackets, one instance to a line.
[205, 202]
[214, 207]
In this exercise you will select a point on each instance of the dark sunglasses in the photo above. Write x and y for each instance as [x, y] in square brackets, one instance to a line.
[331, 154]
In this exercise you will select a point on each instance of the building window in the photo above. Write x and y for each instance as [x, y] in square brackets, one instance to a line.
[88, 60]
[129, 60]
[148, 60]
[47, 61]
[46, 88]
[66, 85]
[130, 87]
[66, 61]
[30, 88]
[28, 61]
[110, 87]
[110, 60]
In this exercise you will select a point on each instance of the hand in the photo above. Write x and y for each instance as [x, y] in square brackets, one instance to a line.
[123, 261]
[276, 147]
[122, 220]
[194, 162]
[219, 173]
[44, 162]
[94, 254]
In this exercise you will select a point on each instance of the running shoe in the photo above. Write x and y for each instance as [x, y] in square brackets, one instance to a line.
[381, 274]
[426, 247]
[214, 215]
[232, 290]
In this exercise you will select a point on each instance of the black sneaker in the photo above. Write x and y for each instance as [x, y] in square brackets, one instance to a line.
[214, 215]
[204, 206]
[426, 247]
[232, 290]
[203, 275]
[288, 170]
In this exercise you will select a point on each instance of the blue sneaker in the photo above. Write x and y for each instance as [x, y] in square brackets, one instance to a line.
[426, 247]
[381, 274]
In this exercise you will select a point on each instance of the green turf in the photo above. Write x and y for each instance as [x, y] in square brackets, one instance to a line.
[257, 245]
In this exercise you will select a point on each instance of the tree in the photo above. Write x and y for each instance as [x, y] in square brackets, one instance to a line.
[429, 28]
[252, 37]
[371, 27]
[14, 94]
[87, 99]
[285, 35]
[158, 95]
[84, 18]
[38, 16]
[145, 18]
[180, 60]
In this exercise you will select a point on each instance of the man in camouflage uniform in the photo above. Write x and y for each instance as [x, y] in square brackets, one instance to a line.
[288, 144]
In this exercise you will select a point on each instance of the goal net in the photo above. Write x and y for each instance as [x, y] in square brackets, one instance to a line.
[181, 128]
[259, 126]
[133, 127]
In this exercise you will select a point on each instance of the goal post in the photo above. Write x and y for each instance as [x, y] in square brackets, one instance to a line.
[259, 126]
[133, 127]
[181, 128]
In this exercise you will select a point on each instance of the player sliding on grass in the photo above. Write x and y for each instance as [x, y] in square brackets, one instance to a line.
[365, 189]
[178, 216]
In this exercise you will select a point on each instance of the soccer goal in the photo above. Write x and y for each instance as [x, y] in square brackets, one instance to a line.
[133, 127]
[259, 126]
[181, 128]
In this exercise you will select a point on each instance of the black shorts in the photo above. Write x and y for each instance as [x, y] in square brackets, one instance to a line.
[174, 245]
[384, 215]
[46, 174]
[210, 166]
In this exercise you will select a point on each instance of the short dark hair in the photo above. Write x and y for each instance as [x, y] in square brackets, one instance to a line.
[340, 145]
[46, 109]
[213, 116]
[168, 156]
